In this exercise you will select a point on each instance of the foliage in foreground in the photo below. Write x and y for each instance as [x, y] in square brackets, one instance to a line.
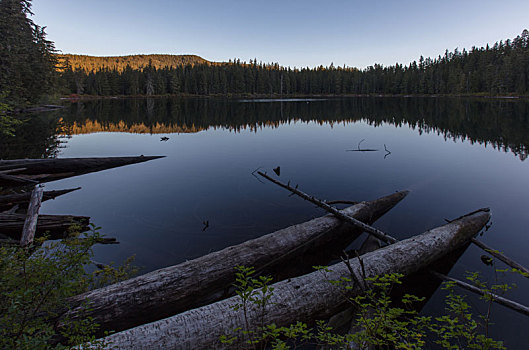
[380, 323]
[35, 284]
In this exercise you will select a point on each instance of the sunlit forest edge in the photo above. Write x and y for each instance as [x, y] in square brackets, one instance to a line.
[500, 69]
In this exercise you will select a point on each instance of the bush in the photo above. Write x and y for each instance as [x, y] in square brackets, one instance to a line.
[35, 283]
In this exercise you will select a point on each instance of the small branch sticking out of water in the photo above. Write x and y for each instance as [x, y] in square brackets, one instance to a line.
[253, 174]
[387, 151]
[358, 149]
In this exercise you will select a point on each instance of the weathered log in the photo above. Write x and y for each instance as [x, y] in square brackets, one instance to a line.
[174, 289]
[371, 230]
[11, 180]
[305, 298]
[56, 226]
[30, 224]
[11, 171]
[66, 165]
[8, 201]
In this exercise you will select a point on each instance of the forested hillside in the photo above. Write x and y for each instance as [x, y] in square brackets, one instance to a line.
[119, 63]
[500, 69]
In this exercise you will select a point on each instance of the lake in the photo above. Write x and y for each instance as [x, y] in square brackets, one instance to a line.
[455, 155]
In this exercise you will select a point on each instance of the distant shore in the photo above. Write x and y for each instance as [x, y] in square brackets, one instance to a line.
[75, 98]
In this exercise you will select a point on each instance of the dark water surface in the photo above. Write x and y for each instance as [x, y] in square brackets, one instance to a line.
[455, 155]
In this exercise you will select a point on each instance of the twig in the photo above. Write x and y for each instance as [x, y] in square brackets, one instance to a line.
[253, 174]
[496, 298]
[502, 257]
[12, 210]
[363, 269]
[468, 214]
[358, 146]
[376, 232]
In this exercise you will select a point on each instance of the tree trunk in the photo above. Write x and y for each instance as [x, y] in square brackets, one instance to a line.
[305, 298]
[194, 283]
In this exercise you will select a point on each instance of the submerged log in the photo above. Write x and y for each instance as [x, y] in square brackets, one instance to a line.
[502, 257]
[11, 180]
[56, 226]
[174, 289]
[66, 165]
[305, 298]
[8, 201]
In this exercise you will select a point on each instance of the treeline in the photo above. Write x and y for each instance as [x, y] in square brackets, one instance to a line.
[499, 69]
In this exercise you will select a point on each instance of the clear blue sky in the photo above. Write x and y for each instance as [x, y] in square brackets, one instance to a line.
[290, 32]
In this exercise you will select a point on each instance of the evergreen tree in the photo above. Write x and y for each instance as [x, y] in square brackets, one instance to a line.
[27, 59]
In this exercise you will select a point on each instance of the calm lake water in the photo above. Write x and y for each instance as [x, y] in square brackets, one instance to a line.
[455, 155]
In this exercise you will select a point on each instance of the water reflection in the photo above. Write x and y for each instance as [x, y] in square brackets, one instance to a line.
[503, 124]
[38, 137]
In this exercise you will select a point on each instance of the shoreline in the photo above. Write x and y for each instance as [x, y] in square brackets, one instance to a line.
[76, 98]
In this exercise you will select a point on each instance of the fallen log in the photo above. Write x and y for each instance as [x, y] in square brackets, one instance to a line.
[67, 165]
[371, 230]
[8, 201]
[385, 237]
[56, 226]
[524, 310]
[11, 180]
[194, 283]
[30, 224]
[305, 298]
[502, 257]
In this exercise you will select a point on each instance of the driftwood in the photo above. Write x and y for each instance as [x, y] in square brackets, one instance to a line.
[66, 165]
[11, 180]
[303, 298]
[174, 289]
[8, 201]
[30, 224]
[496, 298]
[502, 257]
[11, 170]
[371, 230]
[56, 226]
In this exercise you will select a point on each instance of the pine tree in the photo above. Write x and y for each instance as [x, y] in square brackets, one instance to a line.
[27, 59]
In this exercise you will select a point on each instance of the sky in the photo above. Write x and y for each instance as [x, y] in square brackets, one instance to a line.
[292, 33]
